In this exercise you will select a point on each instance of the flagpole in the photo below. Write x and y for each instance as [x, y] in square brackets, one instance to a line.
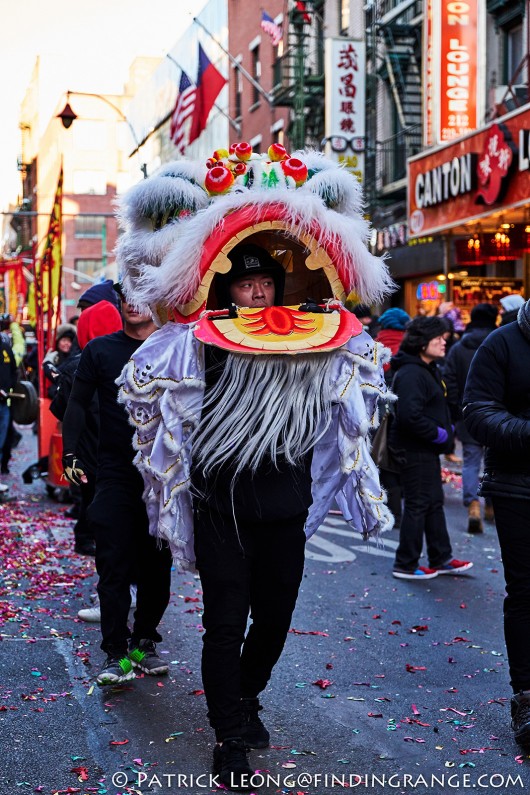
[236, 63]
[233, 123]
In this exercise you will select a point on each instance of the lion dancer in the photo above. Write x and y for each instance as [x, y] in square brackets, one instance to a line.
[250, 422]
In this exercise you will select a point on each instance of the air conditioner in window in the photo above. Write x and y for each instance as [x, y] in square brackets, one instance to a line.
[511, 97]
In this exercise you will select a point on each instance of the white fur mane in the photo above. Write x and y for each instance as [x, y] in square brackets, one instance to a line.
[162, 266]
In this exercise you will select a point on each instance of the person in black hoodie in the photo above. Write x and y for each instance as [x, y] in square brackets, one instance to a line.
[456, 368]
[420, 433]
[497, 414]
[96, 321]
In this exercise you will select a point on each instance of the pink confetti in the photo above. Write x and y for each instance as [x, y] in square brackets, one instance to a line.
[81, 773]
[464, 751]
[323, 683]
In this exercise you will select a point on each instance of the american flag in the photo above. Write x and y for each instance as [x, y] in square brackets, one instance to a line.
[270, 27]
[184, 107]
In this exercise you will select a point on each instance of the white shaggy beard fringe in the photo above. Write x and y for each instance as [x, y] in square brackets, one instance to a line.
[264, 407]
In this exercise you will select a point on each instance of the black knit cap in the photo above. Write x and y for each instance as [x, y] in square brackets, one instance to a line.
[484, 316]
[248, 259]
[420, 332]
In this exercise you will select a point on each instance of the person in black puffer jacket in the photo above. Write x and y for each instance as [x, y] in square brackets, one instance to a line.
[497, 414]
[455, 370]
[420, 433]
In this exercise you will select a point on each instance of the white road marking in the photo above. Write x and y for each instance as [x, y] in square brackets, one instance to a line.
[331, 552]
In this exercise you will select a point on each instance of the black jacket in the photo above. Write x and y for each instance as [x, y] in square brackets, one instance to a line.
[497, 410]
[509, 317]
[87, 449]
[455, 369]
[8, 368]
[421, 407]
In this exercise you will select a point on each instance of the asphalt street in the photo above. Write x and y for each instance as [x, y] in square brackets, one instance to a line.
[384, 685]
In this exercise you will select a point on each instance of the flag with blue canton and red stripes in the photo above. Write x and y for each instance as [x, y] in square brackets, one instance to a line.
[184, 107]
[270, 27]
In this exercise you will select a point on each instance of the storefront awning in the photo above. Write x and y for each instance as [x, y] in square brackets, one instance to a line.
[475, 178]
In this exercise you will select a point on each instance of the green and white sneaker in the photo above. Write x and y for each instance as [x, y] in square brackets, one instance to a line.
[143, 656]
[115, 671]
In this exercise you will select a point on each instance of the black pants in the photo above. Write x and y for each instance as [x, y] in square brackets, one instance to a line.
[83, 532]
[423, 512]
[125, 554]
[512, 518]
[256, 567]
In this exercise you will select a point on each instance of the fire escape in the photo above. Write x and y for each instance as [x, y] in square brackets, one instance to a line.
[394, 103]
[298, 79]
[512, 91]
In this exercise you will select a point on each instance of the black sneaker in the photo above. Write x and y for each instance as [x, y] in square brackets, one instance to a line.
[253, 731]
[230, 764]
[520, 706]
[115, 671]
[143, 656]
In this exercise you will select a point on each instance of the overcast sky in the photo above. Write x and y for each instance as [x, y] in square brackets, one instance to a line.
[98, 40]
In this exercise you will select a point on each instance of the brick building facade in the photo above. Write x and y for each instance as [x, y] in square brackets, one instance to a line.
[261, 123]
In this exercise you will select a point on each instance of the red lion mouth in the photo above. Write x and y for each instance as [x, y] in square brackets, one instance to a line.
[322, 257]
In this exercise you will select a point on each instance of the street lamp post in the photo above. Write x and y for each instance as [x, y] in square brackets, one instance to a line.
[68, 116]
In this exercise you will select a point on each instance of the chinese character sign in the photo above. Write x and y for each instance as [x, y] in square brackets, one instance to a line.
[345, 101]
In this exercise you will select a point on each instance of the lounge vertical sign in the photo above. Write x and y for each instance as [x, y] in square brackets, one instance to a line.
[453, 65]
[458, 68]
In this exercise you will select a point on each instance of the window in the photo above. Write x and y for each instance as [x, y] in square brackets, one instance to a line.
[344, 16]
[88, 225]
[256, 143]
[87, 267]
[238, 107]
[90, 182]
[276, 135]
[513, 54]
[89, 134]
[256, 72]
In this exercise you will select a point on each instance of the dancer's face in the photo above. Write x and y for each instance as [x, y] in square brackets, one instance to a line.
[253, 291]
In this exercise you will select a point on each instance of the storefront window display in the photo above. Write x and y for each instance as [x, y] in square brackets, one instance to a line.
[424, 295]
[468, 291]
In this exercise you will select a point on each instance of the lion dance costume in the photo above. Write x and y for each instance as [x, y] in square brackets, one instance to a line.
[251, 421]
[180, 225]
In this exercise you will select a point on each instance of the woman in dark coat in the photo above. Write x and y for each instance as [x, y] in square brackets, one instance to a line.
[497, 415]
[420, 433]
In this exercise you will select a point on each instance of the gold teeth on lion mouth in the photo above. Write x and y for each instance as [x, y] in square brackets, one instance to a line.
[318, 258]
